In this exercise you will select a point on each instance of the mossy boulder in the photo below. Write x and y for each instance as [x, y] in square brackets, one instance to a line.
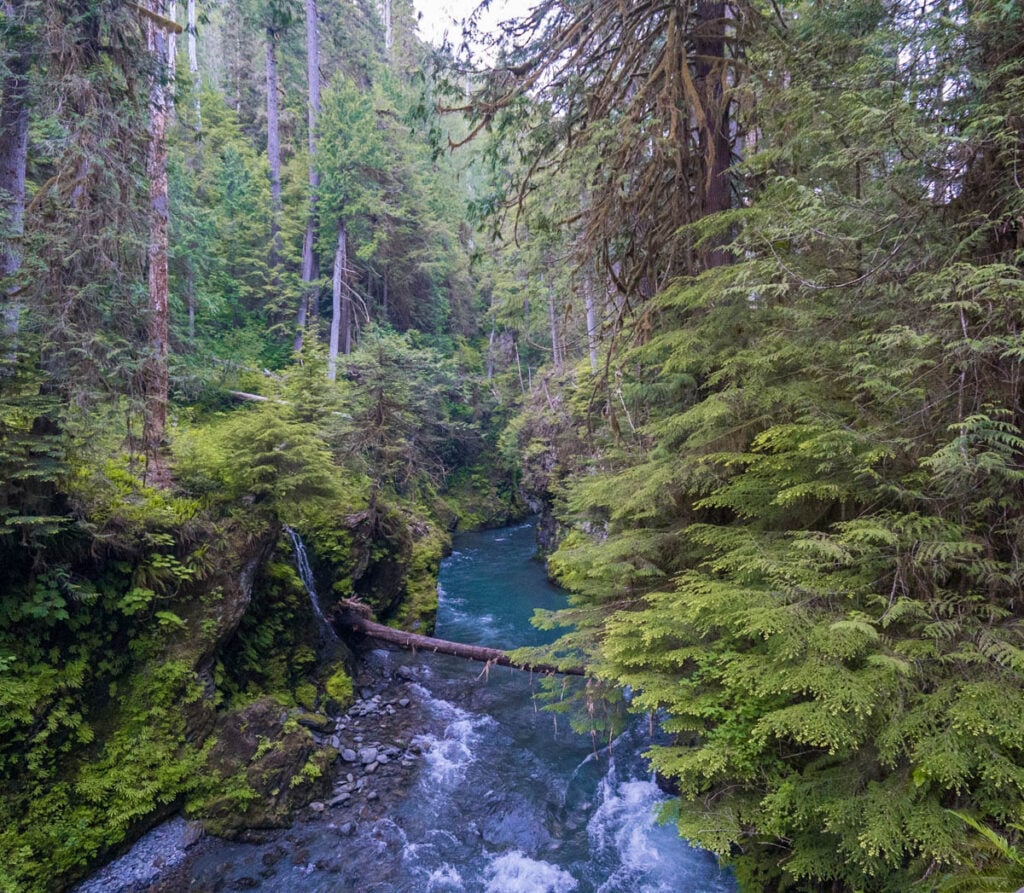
[269, 767]
[315, 722]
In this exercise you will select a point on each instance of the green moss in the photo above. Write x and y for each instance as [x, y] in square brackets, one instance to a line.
[315, 721]
[311, 770]
[305, 695]
[273, 650]
[418, 610]
[265, 765]
[338, 687]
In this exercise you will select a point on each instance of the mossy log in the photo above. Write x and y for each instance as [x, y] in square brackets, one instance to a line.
[354, 617]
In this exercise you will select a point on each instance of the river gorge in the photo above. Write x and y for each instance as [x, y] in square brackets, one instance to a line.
[452, 779]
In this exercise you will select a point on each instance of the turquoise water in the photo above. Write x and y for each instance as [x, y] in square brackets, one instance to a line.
[502, 799]
[510, 802]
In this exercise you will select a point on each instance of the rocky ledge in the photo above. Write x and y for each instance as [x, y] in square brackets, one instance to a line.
[376, 763]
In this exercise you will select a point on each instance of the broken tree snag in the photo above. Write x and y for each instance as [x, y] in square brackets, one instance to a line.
[354, 618]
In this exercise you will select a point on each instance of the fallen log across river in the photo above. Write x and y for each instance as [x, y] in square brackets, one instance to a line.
[354, 617]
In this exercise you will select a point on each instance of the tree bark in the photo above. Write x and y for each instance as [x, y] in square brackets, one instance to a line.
[309, 271]
[172, 50]
[193, 55]
[588, 303]
[389, 31]
[193, 62]
[155, 378]
[273, 150]
[341, 305]
[190, 297]
[13, 157]
[490, 354]
[353, 619]
[715, 143]
[556, 351]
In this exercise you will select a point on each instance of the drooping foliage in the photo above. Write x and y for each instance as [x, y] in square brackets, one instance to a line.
[634, 103]
[804, 550]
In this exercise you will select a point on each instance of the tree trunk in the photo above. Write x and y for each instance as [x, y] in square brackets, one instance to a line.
[715, 143]
[193, 55]
[172, 52]
[13, 156]
[309, 271]
[190, 297]
[588, 303]
[341, 305]
[353, 619]
[389, 31]
[556, 351]
[490, 354]
[193, 62]
[273, 150]
[155, 380]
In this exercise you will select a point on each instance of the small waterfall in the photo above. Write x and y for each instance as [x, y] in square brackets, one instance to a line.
[306, 575]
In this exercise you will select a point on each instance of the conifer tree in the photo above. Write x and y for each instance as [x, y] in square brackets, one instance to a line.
[803, 548]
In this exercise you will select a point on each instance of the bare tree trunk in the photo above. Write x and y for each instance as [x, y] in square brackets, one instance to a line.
[341, 305]
[347, 314]
[353, 619]
[190, 296]
[309, 271]
[588, 303]
[196, 83]
[273, 150]
[155, 379]
[556, 347]
[490, 354]
[172, 52]
[193, 63]
[13, 157]
[389, 31]
[193, 55]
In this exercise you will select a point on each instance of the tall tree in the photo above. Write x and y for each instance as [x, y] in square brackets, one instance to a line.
[192, 30]
[309, 264]
[341, 305]
[159, 28]
[273, 148]
[274, 18]
[353, 161]
[14, 113]
[808, 554]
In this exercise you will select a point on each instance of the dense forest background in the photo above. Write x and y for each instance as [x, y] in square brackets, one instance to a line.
[730, 290]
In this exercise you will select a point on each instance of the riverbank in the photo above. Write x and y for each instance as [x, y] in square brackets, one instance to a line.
[378, 751]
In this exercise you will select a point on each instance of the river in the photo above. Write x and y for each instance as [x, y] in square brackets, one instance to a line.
[499, 798]
[509, 800]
